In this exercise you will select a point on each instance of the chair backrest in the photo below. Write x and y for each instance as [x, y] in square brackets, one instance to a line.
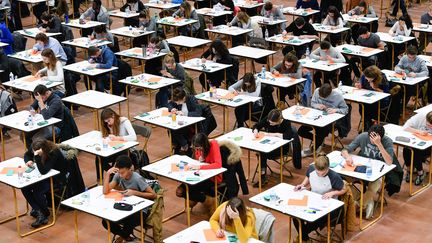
[19, 43]
[264, 222]
[189, 85]
[175, 52]
[115, 46]
[201, 33]
[143, 131]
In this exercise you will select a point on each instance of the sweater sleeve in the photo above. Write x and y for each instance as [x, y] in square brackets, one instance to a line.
[371, 12]
[234, 21]
[164, 47]
[60, 75]
[214, 158]
[276, 67]
[131, 135]
[424, 72]
[236, 86]
[244, 232]
[214, 219]
[315, 102]
[49, 112]
[394, 28]
[339, 58]
[316, 54]
[354, 144]
[47, 166]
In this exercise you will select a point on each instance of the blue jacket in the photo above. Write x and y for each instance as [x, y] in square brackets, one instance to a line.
[6, 37]
[106, 59]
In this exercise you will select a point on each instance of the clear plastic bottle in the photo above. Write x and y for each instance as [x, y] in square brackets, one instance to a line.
[86, 197]
[263, 72]
[181, 168]
[11, 77]
[144, 50]
[369, 168]
[340, 86]
[307, 53]
[20, 174]
[266, 33]
[30, 121]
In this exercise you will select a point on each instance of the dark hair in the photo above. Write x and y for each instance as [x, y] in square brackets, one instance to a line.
[41, 37]
[92, 50]
[335, 11]
[362, 30]
[236, 203]
[268, 6]
[155, 40]
[178, 94]
[275, 115]
[47, 147]
[201, 140]
[100, 29]
[299, 21]
[123, 161]
[46, 16]
[411, 50]
[407, 19]
[40, 89]
[429, 117]
[110, 113]
[325, 45]
[220, 48]
[378, 129]
[97, 2]
[325, 90]
[289, 57]
[364, 5]
[143, 14]
[249, 78]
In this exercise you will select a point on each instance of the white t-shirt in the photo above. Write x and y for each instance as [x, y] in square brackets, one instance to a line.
[418, 122]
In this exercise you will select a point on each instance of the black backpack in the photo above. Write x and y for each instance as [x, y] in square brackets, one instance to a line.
[140, 159]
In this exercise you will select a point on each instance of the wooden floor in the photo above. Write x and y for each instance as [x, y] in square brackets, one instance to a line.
[406, 219]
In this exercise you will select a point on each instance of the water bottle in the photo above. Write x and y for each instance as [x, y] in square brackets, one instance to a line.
[66, 18]
[307, 53]
[181, 168]
[340, 87]
[273, 196]
[105, 143]
[156, 17]
[11, 76]
[130, 27]
[369, 169]
[297, 112]
[211, 91]
[266, 33]
[86, 197]
[30, 121]
[20, 174]
[144, 50]
[263, 72]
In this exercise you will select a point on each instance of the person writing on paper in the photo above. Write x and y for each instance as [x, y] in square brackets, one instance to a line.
[335, 21]
[247, 86]
[145, 23]
[241, 20]
[187, 12]
[373, 144]
[52, 72]
[420, 124]
[170, 69]
[183, 105]
[291, 67]
[403, 27]
[309, 4]
[362, 10]
[44, 155]
[129, 183]
[274, 125]
[323, 181]
[235, 217]
[327, 100]
[425, 37]
[272, 13]
[44, 42]
[132, 6]
[304, 30]
[103, 58]
[207, 152]
[96, 12]
[51, 23]
[101, 33]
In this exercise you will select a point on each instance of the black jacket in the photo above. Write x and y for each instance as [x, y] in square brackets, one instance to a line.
[55, 160]
[54, 108]
[219, 75]
[194, 109]
[231, 155]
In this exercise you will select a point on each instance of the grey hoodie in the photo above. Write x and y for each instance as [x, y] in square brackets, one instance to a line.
[335, 100]
[418, 66]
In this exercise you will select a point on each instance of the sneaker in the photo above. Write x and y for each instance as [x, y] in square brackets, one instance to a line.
[407, 177]
[34, 213]
[40, 220]
[264, 181]
[306, 153]
[318, 149]
[369, 210]
[419, 179]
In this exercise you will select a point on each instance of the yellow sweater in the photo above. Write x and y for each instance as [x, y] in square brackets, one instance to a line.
[243, 232]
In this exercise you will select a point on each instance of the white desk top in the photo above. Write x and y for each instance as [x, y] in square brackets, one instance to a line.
[17, 120]
[392, 76]
[261, 20]
[84, 67]
[357, 50]
[28, 84]
[85, 42]
[393, 131]
[29, 178]
[212, 13]
[286, 191]
[156, 117]
[422, 27]
[245, 138]
[322, 65]
[187, 41]
[210, 67]
[359, 19]
[337, 162]
[32, 32]
[313, 117]
[386, 37]
[299, 12]
[162, 5]
[124, 15]
[137, 53]
[102, 207]
[195, 233]
[4, 8]
[248, 4]
[289, 40]
[328, 29]
[74, 23]
[225, 30]
[424, 109]
[163, 168]
[282, 80]
[149, 81]
[32, 1]
[237, 101]
[91, 142]
[250, 52]
[27, 56]
[94, 99]
[362, 95]
[428, 60]
[3, 44]
[177, 22]
[126, 31]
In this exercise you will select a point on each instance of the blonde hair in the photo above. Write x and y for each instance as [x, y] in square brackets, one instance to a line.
[322, 162]
[187, 9]
[429, 117]
[243, 17]
[169, 58]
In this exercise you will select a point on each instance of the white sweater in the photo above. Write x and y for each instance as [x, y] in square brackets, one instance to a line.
[56, 76]
[397, 31]
[126, 130]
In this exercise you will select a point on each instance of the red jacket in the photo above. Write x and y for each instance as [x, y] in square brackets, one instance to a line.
[213, 159]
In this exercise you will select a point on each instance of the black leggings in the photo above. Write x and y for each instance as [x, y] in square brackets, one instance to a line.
[242, 113]
[198, 192]
[419, 157]
[125, 227]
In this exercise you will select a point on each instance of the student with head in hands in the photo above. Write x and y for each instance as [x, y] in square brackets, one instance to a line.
[235, 217]
[129, 183]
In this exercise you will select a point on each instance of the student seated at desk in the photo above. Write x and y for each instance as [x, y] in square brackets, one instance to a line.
[96, 12]
[246, 86]
[274, 126]
[170, 69]
[183, 105]
[115, 128]
[103, 58]
[101, 33]
[291, 67]
[403, 27]
[272, 12]
[425, 38]
[241, 20]
[304, 30]
[186, 11]
[130, 183]
[325, 99]
[46, 156]
[335, 20]
[206, 151]
[43, 42]
[323, 181]
[228, 5]
[421, 124]
[373, 79]
[148, 23]
[53, 71]
[235, 217]
[373, 144]
[309, 4]
[51, 23]
[363, 10]
[132, 6]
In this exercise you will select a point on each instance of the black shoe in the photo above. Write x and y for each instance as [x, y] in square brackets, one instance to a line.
[407, 177]
[34, 213]
[40, 220]
[264, 181]
[419, 179]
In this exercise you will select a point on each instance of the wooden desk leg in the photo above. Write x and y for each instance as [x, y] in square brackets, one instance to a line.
[417, 95]
[259, 172]
[170, 138]
[16, 211]
[216, 193]
[328, 228]
[100, 170]
[53, 134]
[300, 231]
[3, 146]
[142, 226]
[76, 225]
[95, 119]
[281, 164]
[109, 230]
[119, 109]
[24, 140]
[111, 84]
[289, 229]
[224, 119]
[314, 143]
[404, 104]
[187, 205]
[363, 117]
[361, 203]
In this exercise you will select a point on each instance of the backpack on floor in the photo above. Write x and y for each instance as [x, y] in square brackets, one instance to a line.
[140, 159]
